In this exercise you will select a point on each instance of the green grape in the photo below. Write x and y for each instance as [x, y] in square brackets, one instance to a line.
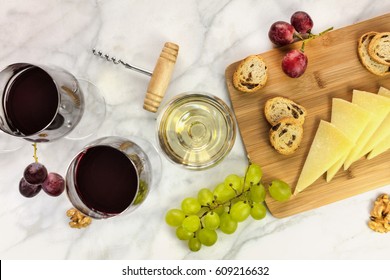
[219, 210]
[190, 205]
[227, 224]
[245, 187]
[194, 244]
[207, 237]
[205, 197]
[182, 234]
[258, 211]
[240, 211]
[253, 174]
[191, 223]
[257, 193]
[279, 190]
[233, 181]
[211, 220]
[174, 217]
[223, 193]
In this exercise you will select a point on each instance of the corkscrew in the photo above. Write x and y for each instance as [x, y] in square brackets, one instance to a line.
[114, 60]
[160, 77]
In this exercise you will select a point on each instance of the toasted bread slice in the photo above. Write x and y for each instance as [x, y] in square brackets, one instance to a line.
[379, 48]
[286, 136]
[365, 58]
[251, 74]
[279, 107]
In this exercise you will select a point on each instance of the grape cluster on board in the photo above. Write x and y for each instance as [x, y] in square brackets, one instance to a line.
[282, 33]
[36, 178]
[223, 208]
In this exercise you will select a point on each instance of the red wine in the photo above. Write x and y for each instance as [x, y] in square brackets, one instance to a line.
[106, 180]
[32, 101]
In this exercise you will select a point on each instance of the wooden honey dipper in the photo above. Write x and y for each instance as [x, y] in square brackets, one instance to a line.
[160, 77]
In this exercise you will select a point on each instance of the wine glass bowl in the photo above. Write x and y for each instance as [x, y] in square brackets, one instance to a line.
[111, 176]
[196, 130]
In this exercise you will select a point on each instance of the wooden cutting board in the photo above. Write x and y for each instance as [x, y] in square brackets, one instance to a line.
[334, 70]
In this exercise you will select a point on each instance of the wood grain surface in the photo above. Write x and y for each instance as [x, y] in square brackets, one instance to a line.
[334, 70]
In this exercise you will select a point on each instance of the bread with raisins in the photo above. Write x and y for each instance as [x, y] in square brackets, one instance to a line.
[251, 74]
[279, 107]
[365, 58]
[379, 48]
[286, 136]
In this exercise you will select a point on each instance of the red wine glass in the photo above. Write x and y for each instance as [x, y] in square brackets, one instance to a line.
[112, 176]
[44, 103]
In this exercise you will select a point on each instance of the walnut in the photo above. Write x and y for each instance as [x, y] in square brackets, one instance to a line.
[380, 215]
[77, 219]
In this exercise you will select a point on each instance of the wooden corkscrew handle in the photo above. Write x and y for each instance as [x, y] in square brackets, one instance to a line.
[161, 77]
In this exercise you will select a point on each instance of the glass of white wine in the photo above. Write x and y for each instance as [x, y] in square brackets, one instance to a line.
[196, 130]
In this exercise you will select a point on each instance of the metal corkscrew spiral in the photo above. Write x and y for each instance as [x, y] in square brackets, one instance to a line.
[119, 61]
[160, 77]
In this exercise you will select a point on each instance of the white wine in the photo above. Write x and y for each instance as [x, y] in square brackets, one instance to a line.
[196, 130]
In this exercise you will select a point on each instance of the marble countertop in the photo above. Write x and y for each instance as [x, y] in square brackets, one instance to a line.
[211, 35]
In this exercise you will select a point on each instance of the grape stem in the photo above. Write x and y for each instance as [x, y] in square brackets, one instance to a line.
[249, 161]
[313, 36]
[215, 204]
[35, 152]
[298, 35]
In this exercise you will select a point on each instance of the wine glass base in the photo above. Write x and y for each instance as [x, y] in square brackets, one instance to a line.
[10, 143]
[94, 111]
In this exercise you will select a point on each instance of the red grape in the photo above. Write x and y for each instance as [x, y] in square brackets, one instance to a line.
[54, 184]
[294, 63]
[281, 33]
[302, 22]
[28, 190]
[35, 173]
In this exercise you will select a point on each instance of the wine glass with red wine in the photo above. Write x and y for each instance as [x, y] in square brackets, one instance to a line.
[112, 176]
[40, 103]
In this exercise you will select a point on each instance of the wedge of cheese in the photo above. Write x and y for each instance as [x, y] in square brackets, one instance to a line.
[350, 119]
[384, 144]
[379, 106]
[328, 146]
[383, 130]
[384, 92]
[380, 148]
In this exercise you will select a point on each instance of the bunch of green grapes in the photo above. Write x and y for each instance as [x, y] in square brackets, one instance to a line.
[231, 202]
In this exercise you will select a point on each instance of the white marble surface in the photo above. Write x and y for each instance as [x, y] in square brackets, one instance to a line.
[211, 35]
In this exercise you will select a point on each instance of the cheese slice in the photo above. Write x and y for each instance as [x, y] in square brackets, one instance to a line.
[327, 147]
[380, 148]
[379, 106]
[350, 119]
[383, 145]
[382, 131]
[384, 92]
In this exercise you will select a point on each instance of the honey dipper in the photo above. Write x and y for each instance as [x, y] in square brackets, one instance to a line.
[160, 77]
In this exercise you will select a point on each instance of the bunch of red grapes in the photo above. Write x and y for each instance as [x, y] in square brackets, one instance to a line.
[282, 33]
[35, 178]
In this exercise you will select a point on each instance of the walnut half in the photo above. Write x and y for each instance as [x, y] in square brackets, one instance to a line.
[77, 219]
[380, 215]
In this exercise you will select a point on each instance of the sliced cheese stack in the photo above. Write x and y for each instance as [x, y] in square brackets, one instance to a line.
[384, 144]
[327, 147]
[356, 128]
[382, 131]
[350, 119]
[379, 106]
